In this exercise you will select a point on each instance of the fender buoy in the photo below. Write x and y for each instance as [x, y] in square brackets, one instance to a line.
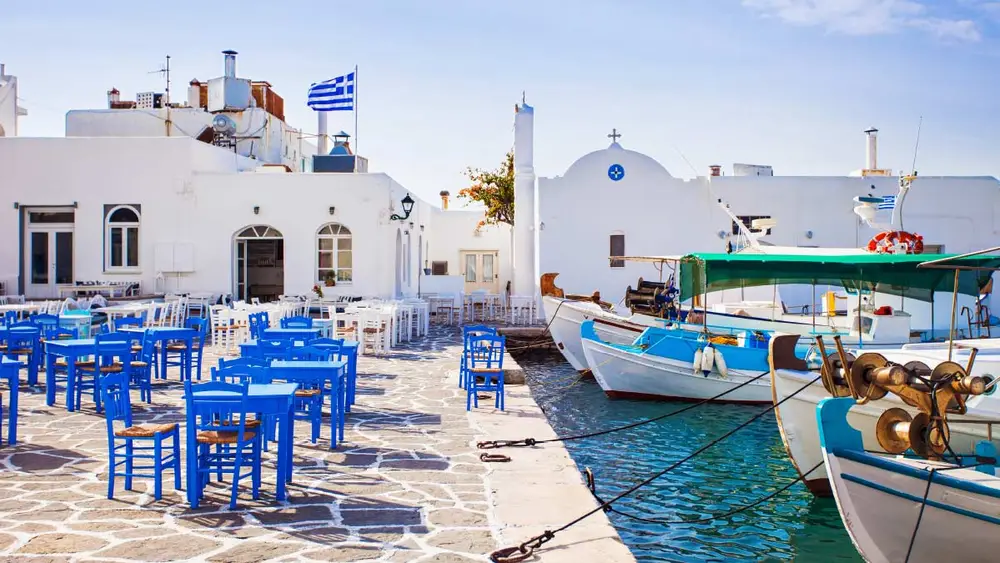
[696, 364]
[720, 364]
[707, 359]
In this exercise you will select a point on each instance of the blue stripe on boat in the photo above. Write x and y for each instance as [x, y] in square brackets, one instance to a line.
[922, 474]
[938, 478]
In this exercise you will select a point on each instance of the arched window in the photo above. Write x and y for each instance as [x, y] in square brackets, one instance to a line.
[334, 258]
[121, 238]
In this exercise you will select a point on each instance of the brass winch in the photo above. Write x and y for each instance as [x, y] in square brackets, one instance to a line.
[934, 392]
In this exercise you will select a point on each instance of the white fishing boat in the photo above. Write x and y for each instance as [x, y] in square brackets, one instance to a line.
[797, 392]
[914, 509]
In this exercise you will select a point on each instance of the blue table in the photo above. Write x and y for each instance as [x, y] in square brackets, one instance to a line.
[275, 399]
[72, 350]
[164, 334]
[349, 350]
[296, 334]
[319, 372]
[9, 370]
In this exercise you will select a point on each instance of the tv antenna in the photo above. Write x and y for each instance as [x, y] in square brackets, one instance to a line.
[164, 70]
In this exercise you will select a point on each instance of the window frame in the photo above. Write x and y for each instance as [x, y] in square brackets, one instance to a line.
[342, 232]
[125, 226]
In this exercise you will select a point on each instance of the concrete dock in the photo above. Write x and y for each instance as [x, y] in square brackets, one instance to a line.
[406, 485]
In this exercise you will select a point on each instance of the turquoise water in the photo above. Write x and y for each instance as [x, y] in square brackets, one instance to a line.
[794, 526]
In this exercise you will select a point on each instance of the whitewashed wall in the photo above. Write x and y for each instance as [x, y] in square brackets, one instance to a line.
[8, 105]
[190, 192]
[454, 232]
[661, 215]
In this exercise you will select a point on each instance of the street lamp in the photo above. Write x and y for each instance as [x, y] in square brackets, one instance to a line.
[407, 209]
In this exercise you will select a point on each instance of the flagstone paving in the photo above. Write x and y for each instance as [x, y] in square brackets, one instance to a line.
[406, 485]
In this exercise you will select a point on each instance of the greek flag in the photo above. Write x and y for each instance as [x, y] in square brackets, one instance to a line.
[336, 94]
[888, 202]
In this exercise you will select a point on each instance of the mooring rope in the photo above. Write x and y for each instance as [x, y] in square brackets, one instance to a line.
[527, 548]
[528, 442]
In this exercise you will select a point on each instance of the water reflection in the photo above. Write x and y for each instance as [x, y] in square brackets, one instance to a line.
[745, 467]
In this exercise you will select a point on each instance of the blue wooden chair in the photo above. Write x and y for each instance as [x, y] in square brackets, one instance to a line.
[485, 369]
[273, 349]
[143, 366]
[9, 318]
[113, 354]
[468, 332]
[128, 443]
[24, 339]
[129, 322]
[244, 361]
[253, 322]
[297, 322]
[175, 352]
[227, 442]
[43, 320]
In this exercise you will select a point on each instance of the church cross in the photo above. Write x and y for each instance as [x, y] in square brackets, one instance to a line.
[614, 135]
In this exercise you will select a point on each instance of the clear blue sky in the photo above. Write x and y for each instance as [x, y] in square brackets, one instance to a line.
[791, 83]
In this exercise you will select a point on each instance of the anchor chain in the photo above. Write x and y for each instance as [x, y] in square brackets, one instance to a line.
[523, 551]
[491, 444]
[489, 458]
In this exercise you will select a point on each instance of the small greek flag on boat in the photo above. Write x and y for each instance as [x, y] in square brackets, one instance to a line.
[888, 202]
[336, 94]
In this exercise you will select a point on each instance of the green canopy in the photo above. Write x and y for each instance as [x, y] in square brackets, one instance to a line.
[887, 273]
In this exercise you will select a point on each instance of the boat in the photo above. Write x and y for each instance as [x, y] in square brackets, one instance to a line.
[938, 502]
[797, 388]
[681, 364]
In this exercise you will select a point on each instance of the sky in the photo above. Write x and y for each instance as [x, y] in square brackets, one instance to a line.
[790, 83]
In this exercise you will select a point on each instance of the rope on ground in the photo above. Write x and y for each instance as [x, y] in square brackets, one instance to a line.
[528, 442]
[758, 502]
[527, 548]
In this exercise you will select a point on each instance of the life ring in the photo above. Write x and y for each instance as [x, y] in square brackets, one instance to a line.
[891, 242]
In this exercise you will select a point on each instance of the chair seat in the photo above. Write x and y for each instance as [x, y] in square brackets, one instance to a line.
[138, 364]
[145, 431]
[485, 370]
[307, 392]
[85, 363]
[137, 348]
[20, 351]
[113, 368]
[216, 437]
[371, 330]
[181, 347]
[61, 362]
[252, 423]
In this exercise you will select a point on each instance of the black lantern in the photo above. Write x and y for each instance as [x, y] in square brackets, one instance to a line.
[407, 209]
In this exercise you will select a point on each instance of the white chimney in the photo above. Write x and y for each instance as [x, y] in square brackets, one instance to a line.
[871, 153]
[194, 94]
[113, 96]
[230, 63]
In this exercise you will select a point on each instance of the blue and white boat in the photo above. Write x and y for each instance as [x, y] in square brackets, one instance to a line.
[681, 364]
[908, 509]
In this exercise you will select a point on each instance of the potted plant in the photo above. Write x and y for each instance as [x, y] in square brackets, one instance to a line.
[318, 291]
[330, 279]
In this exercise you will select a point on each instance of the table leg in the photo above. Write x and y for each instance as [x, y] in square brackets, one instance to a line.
[188, 358]
[71, 382]
[12, 415]
[163, 360]
[342, 411]
[352, 376]
[50, 379]
[334, 408]
[192, 467]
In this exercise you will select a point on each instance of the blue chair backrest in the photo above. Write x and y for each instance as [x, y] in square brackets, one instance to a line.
[253, 320]
[326, 342]
[487, 351]
[60, 333]
[273, 349]
[148, 348]
[240, 374]
[219, 413]
[198, 324]
[297, 322]
[311, 353]
[468, 332]
[115, 396]
[252, 361]
[9, 317]
[22, 324]
[265, 319]
[44, 319]
[23, 336]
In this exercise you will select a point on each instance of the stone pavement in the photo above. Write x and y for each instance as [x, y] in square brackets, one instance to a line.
[406, 485]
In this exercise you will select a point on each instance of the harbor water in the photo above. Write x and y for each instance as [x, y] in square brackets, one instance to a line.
[794, 526]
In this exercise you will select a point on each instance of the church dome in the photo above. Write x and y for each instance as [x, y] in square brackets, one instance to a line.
[617, 163]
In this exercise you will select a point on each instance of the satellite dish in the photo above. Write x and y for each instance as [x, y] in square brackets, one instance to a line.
[224, 125]
[763, 224]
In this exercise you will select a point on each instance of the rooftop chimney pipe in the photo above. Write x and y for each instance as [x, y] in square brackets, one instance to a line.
[716, 170]
[871, 152]
[1, 69]
[444, 199]
[230, 63]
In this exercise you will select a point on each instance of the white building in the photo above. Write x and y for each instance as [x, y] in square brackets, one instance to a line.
[9, 110]
[179, 206]
[644, 210]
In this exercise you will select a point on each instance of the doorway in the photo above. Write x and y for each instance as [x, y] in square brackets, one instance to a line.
[480, 270]
[48, 251]
[259, 264]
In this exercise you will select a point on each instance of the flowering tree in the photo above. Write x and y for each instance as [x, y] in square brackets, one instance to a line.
[495, 190]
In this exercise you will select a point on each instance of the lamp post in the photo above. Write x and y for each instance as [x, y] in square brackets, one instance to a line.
[407, 209]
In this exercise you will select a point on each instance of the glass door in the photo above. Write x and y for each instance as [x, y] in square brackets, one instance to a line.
[241, 270]
[480, 271]
[49, 260]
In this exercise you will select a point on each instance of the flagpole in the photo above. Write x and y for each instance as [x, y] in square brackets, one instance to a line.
[355, 104]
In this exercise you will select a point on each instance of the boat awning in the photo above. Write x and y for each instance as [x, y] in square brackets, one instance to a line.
[887, 273]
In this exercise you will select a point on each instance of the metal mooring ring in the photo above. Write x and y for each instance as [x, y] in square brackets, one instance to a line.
[511, 554]
[489, 458]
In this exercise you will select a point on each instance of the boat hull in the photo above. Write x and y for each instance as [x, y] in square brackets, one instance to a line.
[796, 418]
[880, 499]
[627, 374]
[566, 316]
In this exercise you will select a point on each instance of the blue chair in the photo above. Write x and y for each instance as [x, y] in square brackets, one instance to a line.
[244, 361]
[468, 332]
[42, 320]
[176, 352]
[240, 374]
[253, 322]
[130, 322]
[485, 369]
[336, 343]
[9, 318]
[24, 339]
[122, 442]
[223, 424]
[297, 322]
[113, 354]
[60, 333]
[272, 349]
